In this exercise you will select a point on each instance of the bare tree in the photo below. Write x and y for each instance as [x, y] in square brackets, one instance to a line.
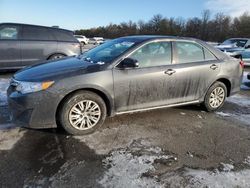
[218, 28]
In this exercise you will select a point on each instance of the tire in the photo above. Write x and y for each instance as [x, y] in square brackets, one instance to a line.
[213, 101]
[88, 121]
[56, 56]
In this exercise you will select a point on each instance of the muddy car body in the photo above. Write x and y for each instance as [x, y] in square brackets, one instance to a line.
[124, 75]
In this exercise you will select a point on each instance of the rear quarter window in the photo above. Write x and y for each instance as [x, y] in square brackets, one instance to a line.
[208, 55]
[64, 36]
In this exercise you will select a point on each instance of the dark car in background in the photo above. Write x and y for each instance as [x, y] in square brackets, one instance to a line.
[22, 45]
[124, 75]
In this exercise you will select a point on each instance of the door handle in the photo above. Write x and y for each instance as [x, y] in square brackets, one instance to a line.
[213, 67]
[170, 72]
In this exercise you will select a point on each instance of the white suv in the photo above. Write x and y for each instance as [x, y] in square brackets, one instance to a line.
[82, 39]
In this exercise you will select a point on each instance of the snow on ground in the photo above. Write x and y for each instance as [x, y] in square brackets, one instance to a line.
[4, 83]
[126, 166]
[247, 161]
[245, 118]
[242, 101]
[223, 114]
[134, 167]
[132, 164]
[8, 138]
[218, 179]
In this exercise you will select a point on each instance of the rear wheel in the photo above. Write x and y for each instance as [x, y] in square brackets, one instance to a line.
[215, 97]
[83, 113]
[56, 56]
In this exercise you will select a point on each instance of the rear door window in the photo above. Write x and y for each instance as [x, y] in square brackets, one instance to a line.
[189, 52]
[36, 33]
[9, 32]
[62, 35]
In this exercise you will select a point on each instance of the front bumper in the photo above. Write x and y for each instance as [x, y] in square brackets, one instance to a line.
[34, 110]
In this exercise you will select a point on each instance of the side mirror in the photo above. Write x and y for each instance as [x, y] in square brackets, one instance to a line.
[247, 47]
[129, 63]
[239, 56]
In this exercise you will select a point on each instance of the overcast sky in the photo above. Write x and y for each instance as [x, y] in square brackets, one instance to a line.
[77, 14]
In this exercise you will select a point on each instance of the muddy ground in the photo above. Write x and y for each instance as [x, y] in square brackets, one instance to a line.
[174, 147]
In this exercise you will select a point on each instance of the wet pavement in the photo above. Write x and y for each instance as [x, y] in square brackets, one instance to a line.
[174, 147]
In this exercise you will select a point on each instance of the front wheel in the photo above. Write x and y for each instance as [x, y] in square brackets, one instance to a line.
[215, 97]
[82, 113]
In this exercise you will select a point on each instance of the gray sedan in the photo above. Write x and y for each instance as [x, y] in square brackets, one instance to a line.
[125, 75]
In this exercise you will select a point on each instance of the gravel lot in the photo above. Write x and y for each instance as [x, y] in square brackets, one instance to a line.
[174, 147]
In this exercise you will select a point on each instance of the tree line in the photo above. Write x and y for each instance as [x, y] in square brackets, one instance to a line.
[208, 28]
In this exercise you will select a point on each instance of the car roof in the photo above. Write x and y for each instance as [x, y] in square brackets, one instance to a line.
[155, 37]
[239, 39]
[22, 24]
[144, 38]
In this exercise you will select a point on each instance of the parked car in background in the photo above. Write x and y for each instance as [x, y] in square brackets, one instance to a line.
[124, 75]
[22, 44]
[97, 40]
[246, 57]
[82, 39]
[234, 46]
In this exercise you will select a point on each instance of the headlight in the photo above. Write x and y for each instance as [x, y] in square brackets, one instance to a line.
[30, 87]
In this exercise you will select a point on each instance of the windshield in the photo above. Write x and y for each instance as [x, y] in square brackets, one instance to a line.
[235, 42]
[107, 52]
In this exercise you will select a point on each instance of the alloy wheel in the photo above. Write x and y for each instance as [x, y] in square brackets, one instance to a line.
[85, 115]
[217, 97]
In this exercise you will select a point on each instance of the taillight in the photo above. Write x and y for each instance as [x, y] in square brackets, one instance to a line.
[242, 64]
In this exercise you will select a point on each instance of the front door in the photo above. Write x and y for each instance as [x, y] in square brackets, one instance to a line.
[145, 86]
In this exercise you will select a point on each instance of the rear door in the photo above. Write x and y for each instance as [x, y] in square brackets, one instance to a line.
[10, 52]
[37, 44]
[194, 69]
[67, 43]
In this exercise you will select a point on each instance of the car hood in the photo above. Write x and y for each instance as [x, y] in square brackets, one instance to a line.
[58, 69]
